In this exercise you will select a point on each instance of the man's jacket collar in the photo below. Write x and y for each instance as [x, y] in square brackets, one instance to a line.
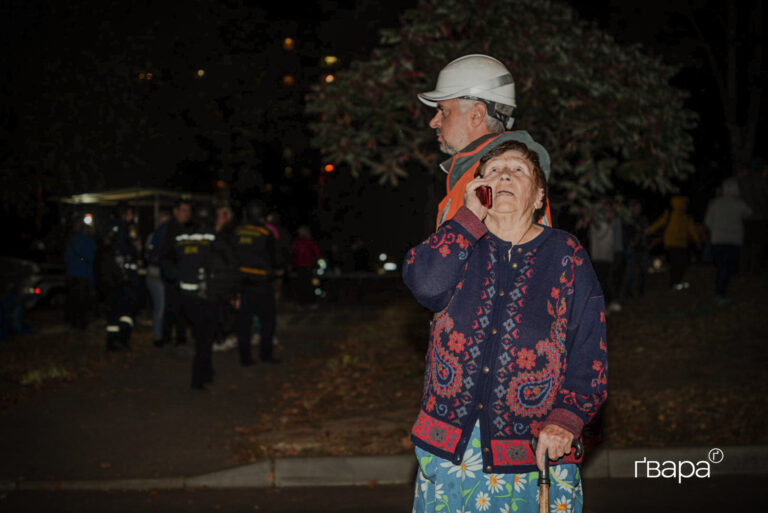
[460, 163]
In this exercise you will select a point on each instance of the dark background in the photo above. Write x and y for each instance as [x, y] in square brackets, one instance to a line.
[80, 113]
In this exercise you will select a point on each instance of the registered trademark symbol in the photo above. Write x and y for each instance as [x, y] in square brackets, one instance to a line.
[716, 455]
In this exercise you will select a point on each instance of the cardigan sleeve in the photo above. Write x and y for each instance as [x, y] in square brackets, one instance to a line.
[434, 268]
[585, 386]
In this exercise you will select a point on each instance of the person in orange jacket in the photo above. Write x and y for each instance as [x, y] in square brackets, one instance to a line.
[679, 232]
[474, 97]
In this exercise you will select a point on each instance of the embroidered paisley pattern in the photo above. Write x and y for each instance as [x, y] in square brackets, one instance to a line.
[446, 373]
[530, 394]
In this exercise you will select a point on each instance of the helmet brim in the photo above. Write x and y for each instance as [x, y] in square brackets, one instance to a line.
[432, 97]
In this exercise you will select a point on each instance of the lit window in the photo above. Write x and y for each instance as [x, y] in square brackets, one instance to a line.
[329, 78]
[200, 73]
[288, 80]
[288, 43]
[330, 60]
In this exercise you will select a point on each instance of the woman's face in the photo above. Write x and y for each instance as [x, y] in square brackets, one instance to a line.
[511, 177]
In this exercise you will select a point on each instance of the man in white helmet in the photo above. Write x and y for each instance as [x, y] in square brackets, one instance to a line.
[474, 97]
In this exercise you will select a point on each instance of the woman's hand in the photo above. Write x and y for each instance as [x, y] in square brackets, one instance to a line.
[556, 441]
[472, 202]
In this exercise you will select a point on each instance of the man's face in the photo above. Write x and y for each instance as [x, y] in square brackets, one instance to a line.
[182, 213]
[452, 126]
[223, 216]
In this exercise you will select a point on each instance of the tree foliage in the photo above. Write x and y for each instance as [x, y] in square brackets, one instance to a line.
[608, 114]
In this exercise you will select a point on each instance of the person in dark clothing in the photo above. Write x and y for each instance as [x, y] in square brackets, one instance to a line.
[118, 279]
[283, 243]
[224, 225]
[259, 263]
[155, 284]
[172, 317]
[636, 252]
[79, 258]
[205, 269]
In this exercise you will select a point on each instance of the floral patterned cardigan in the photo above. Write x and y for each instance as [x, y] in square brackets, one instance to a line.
[517, 341]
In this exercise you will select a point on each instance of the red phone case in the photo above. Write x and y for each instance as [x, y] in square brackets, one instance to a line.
[484, 194]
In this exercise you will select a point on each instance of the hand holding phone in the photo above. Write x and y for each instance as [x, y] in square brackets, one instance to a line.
[484, 194]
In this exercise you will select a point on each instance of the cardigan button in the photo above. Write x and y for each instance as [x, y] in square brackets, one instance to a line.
[486, 370]
[486, 450]
[514, 265]
[501, 293]
[494, 331]
[519, 250]
[488, 468]
[480, 406]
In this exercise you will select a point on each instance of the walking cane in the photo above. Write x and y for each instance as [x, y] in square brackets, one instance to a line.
[544, 477]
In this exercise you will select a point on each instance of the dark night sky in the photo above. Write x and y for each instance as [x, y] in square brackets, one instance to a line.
[349, 29]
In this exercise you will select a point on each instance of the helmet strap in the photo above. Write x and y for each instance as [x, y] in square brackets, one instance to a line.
[490, 108]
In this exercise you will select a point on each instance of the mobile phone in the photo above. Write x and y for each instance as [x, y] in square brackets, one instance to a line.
[484, 194]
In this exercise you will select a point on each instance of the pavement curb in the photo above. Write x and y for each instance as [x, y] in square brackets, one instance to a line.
[399, 469]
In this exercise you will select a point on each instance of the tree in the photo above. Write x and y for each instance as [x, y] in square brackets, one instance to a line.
[606, 113]
[734, 53]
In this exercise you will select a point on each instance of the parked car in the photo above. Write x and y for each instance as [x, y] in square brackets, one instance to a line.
[33, 282]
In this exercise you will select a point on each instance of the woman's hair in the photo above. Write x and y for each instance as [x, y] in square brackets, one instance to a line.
[539, 178]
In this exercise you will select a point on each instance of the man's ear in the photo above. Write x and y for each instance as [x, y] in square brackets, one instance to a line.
[478, 113]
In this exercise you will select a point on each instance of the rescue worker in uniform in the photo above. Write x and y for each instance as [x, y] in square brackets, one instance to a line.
[474, 97]
[172, 317]
[259, 262]
[207, 275]
[118, 278]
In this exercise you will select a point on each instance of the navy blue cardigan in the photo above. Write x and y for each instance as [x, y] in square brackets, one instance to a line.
[517, 341]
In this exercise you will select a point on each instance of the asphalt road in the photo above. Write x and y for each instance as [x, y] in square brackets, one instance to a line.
[732, 493]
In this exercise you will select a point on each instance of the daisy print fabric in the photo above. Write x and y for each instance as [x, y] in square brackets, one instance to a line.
[442, 487]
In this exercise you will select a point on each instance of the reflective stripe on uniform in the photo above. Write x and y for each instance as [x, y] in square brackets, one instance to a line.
[195, 237]
[250, 229]
[189, 286]
[445, 212]
[252, 270]
[127, 320]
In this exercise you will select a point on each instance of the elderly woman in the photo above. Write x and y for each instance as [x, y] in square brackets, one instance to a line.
[517, 347]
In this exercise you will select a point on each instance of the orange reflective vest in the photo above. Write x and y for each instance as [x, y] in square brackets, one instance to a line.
[460, 170]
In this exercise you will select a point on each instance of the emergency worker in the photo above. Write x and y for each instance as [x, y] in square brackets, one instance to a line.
[259, 262]
[206, 272]
[172, 317]
[118, 278]
[474, 97]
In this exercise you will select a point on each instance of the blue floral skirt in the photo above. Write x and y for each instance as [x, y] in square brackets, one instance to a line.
[442, 487]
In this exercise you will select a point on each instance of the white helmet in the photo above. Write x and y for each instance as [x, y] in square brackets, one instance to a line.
[476, 77]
